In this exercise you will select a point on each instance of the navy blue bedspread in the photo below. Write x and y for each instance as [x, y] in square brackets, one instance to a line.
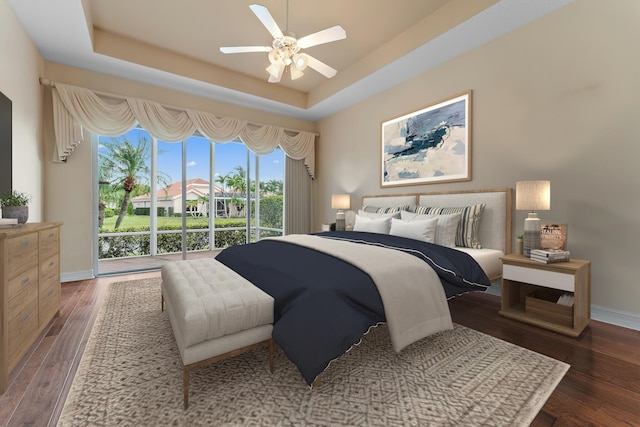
[323, 305]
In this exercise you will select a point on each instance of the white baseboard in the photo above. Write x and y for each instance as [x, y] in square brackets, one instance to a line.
[614, 317]
[599, 313]
[77, 275]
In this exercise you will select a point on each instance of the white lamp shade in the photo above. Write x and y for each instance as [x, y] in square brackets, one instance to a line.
[300, 60]
[533, 195]
[295, 72]
[340, 201]
[275, 70]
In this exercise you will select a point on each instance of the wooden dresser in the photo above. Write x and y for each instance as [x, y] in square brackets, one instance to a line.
[30, 291]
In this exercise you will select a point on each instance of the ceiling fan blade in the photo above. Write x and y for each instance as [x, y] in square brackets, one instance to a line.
[325, 36]
[320, 67]
[267, 20]
[245, 49]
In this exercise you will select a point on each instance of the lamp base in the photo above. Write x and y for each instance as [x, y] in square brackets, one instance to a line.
[340, 223]
[531, 234]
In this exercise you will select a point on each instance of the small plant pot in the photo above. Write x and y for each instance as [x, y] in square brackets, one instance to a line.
[21, 213]
[519, 246]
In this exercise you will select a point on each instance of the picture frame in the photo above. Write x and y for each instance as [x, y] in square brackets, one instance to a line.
[428, 146]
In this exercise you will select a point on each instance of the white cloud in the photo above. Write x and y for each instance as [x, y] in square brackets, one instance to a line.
[191, 163]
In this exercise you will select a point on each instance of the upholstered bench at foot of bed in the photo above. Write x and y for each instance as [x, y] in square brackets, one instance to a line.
[215, 313]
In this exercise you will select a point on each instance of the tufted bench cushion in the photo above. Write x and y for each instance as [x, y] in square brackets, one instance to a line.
[215, 313]
[210, 300]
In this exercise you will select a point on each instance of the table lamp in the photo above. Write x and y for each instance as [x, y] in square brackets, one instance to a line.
[532, 196]
[340, 202]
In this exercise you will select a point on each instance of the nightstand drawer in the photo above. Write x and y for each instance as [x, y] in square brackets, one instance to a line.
[548, 279]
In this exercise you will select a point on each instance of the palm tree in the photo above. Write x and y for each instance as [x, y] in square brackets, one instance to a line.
[238, 182]
[273, 186]
[223, 180]
[125, 165]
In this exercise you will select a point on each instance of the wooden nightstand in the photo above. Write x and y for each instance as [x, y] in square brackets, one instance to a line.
[529, 288]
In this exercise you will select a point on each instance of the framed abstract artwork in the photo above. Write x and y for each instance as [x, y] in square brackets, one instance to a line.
[428, 146]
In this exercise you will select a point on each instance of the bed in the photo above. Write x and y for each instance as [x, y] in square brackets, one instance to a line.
[330, 288]
[495, 226]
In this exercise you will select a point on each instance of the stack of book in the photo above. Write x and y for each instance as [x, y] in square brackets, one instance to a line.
[548, 256]
[8, 222]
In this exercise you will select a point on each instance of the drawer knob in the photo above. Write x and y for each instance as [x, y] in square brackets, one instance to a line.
[51, 263]
[25, 280]
[50, 235]
[24, 243]
[51, 292]
[25, 317]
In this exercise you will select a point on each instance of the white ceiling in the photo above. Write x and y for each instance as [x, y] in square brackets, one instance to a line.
[175, 44]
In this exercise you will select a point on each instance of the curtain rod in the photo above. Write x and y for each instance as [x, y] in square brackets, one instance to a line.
[47, 82]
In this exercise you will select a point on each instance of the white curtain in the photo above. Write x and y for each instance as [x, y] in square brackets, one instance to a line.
[75, 108]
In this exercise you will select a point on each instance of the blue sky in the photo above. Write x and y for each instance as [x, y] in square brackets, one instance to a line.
[227, 157]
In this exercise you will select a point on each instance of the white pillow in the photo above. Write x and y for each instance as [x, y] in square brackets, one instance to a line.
[378, 215]
[424, 230]
[372, 225]
[445, 230]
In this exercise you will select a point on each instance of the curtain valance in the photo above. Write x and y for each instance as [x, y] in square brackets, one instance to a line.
[75, 108]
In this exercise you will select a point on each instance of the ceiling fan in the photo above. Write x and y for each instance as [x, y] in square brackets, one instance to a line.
[285, 50]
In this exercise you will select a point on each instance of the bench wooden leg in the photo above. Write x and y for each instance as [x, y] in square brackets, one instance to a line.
[187, 368]
[185, 387]
[271, 355]
[161, 302]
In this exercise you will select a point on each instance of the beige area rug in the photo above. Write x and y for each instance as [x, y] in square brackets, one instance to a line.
[131, 374]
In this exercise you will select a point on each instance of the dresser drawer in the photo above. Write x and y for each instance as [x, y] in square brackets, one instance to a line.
[22, 254]
[49, 303]
[49, 271]
[24, 282]
[23, 330]
[534, 276]
[49, 242]
[21, 244]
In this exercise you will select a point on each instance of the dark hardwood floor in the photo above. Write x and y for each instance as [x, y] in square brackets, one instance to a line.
[602, 388]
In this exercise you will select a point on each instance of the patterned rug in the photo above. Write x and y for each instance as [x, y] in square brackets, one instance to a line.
[131, 374]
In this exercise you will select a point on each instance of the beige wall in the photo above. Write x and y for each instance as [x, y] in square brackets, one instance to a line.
[20, 66]
[557, 100]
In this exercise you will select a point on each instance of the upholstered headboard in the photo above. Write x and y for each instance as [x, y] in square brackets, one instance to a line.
[495, 226]
[389, 201]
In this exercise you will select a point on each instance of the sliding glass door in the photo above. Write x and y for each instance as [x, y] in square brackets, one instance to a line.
[188, 199]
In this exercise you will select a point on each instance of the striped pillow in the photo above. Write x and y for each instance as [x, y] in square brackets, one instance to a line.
[468, 232]
[375, 209]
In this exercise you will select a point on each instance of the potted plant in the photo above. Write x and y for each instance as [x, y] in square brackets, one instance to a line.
[15, 205]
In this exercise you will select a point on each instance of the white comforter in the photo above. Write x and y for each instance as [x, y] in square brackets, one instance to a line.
[415, 304]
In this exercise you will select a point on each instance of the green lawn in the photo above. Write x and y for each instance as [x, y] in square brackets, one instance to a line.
[138, 221]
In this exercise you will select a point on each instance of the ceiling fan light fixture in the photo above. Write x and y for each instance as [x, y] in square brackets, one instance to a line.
[296, 73]
[275, 56]
[275, 71]
[300, 59]
[285, 48]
